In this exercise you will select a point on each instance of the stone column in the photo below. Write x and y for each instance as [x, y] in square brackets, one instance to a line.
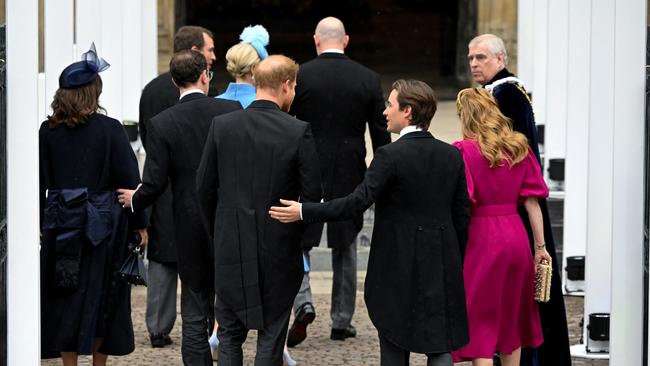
[58, 45]
[500, 17]
[627, 71]
[166, 30]
[467, 10]
[23, 268]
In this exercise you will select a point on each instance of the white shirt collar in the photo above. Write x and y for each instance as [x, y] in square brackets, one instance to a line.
[409, 129]
[333, 50]
[191, 91]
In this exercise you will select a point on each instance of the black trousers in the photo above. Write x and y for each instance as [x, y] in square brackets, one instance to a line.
[197, 313]
[232, 334]
[393, 355]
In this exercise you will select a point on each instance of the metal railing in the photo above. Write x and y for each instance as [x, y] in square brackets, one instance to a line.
[646, 203]
[3, 199]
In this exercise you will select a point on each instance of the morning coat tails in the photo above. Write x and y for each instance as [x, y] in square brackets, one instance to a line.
[252, 158]
[175, 143]
[414, 285]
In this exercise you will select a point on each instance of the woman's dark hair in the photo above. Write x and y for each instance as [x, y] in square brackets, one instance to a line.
[71, 107]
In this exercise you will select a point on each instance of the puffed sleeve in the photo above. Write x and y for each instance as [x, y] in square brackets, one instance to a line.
[533, 184]
[468, 173]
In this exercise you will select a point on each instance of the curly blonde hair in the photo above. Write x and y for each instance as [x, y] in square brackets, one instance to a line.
[482, 120]
[241, 59]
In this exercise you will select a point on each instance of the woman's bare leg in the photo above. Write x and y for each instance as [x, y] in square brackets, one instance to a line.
[482, 362]
[69, 358]
[99, 359]
[511, 359]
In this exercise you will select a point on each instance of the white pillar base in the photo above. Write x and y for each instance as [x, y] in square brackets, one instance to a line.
[580, 351]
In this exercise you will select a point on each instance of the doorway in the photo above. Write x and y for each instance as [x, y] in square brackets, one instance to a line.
[397, 38]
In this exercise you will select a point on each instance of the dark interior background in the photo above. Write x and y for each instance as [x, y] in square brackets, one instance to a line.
[397, 38]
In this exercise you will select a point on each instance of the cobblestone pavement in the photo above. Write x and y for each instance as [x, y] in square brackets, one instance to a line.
[317, 349]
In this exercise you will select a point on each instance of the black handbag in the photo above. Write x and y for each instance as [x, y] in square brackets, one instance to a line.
[133, 270]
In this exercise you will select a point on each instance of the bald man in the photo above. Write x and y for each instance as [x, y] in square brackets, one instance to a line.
[252, 158]
[337, 96]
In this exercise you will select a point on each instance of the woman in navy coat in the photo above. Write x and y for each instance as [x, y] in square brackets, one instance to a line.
[84, 157]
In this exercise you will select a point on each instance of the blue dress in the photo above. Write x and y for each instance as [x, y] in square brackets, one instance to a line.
[244, 93]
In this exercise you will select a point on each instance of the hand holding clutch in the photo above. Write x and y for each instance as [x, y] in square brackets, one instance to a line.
[543, 281]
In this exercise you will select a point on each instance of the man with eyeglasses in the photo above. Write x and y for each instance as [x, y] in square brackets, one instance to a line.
[176, 140]
[488, 59]
[158, 95]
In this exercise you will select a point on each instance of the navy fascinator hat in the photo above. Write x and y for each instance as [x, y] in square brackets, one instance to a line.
[83, 72]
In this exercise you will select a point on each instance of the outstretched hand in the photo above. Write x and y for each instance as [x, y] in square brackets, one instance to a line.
[290, 212]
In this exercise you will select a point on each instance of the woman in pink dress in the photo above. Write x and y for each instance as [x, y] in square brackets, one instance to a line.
[499, 270]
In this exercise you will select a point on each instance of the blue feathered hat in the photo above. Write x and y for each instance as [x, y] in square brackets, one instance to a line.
[83, 72]
[258, 37]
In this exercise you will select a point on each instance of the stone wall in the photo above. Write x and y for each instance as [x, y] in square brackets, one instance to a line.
[500, 17]
[166, 30]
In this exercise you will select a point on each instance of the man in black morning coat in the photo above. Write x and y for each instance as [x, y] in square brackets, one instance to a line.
[176, 139]
[158, 95]
[337, 96]
[414, 285]
[252, 158]
[487, 61]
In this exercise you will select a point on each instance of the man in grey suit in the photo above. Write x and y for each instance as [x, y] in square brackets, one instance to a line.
[339, 125]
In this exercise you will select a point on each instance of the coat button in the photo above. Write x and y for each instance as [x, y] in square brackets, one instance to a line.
[443, 227]
[419, 228]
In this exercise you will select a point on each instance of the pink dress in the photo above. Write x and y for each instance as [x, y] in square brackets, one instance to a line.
[499, 269]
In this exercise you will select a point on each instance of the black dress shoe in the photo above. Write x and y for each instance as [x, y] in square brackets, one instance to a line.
[342, 334]
[298, 331]
[159, 340]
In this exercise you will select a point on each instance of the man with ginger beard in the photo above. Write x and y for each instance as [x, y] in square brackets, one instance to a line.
[251, 159]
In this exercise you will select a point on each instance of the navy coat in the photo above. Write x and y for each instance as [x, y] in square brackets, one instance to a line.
[82, 294]
[514, 104]
[176, 139]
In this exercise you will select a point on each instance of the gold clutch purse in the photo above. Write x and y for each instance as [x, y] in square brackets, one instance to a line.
[543, 282]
